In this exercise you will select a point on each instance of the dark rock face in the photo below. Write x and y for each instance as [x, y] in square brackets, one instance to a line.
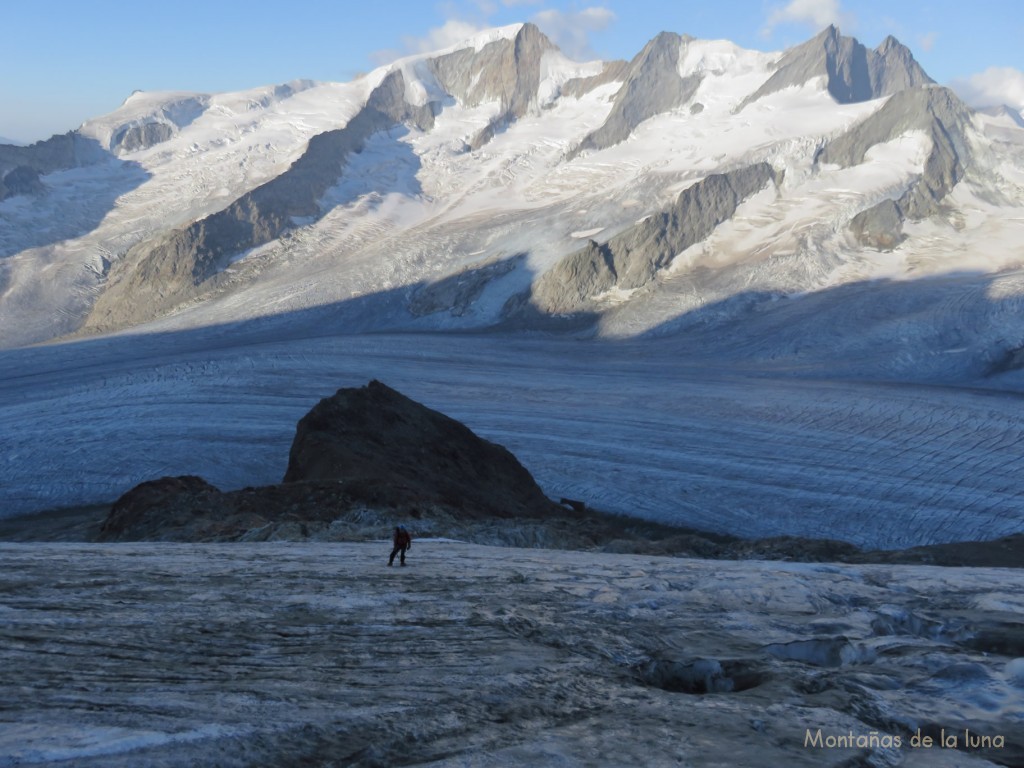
[57, 153]
[23, 180]
[632, 258]
[359, 459]
[505, 70]
[375, 435]
[855, 73]
[652, 86]
[165, 122]
[944, 118]
[132, 516]
[880, 226]
[143, 136]
[456, 293]
[54, 154]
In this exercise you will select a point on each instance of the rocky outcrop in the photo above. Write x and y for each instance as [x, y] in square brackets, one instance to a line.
[22, 180]
[880, 226]
[613, 72]
[506, 70]
[456, 293]
[632, 258]
[55, 153]
[158, 274]
[165, 120]
[375, 435]
[134, 137]
[59, 152]
[651, 87]
[190, 509]
[853, 72]
[165, 508]
[939, 114]
[360, 458]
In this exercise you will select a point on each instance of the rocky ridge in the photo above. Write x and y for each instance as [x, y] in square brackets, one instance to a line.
[21, 166]
[501, 70]
[171, 269]
[161, 273]
[498, 77]
[631, 259]
[938, 113]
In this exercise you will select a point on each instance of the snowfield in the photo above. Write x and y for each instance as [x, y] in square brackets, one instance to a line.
[319, 654]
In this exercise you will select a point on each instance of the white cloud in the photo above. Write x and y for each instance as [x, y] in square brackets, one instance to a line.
[994, 86]
[571, 30]
[817, 13]
[927, 41]
[451, 32]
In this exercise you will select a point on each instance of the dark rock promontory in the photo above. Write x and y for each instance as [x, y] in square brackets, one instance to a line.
[360, 459]
[374, 435]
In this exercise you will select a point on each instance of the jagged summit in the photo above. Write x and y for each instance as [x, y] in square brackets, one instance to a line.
[853, 72]
[652, 85]
[507, 70]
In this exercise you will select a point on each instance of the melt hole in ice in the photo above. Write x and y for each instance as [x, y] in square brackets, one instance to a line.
[701, 676]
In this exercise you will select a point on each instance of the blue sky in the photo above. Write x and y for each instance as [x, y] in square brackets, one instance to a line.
[64, 62]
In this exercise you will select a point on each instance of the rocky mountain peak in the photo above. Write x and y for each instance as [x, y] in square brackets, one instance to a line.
[890, 43]
[507, 70]
[831, 32]
[853, 72]
[652, 86]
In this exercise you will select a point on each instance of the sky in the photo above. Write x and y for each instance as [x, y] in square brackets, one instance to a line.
[65, 61]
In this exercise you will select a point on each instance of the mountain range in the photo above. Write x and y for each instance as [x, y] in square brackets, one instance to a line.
[699, 191]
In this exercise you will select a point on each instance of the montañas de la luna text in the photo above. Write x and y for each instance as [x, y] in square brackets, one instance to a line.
[876, 740]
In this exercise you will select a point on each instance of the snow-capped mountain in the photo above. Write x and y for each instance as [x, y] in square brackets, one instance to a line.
[499, 183]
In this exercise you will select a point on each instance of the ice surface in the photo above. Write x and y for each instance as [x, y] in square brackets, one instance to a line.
[272, 654]
[632, 427]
